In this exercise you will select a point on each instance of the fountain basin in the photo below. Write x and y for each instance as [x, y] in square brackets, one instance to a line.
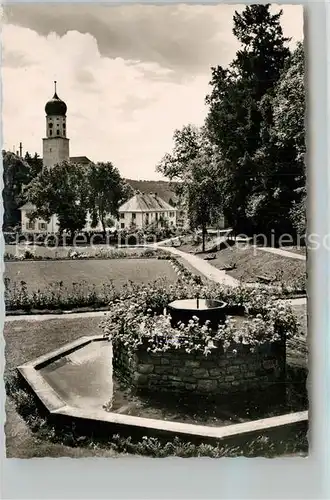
[72, 382]
[204, 309]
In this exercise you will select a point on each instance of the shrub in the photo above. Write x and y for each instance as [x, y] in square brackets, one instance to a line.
[57, 296]
[138, 317]
[101, 253]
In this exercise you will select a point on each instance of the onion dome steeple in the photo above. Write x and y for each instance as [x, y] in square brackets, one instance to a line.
[55, 107]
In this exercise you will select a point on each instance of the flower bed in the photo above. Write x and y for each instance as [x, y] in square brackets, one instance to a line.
[149, 354]
[57, 296]
[101, 253]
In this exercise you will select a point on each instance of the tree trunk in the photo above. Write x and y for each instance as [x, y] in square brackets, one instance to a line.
[103, 228]
[203, 237]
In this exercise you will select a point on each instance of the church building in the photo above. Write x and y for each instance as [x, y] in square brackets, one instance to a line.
[55, 150]
[142, 209]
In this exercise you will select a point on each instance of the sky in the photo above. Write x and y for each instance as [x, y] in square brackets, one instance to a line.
[130, 75]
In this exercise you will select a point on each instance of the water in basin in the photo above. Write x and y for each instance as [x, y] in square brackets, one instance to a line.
[84, 379]
[192, 304]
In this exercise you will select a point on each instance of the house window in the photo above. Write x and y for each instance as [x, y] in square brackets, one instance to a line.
[171, 214]
[122, 216]
[50, 132]
[50, 125]
[133, 216]
[42, 226]
[30, 225]
[122, 225]
[57, 132]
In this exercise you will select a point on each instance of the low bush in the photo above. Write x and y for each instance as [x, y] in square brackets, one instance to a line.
[101, 253]
[57, 296]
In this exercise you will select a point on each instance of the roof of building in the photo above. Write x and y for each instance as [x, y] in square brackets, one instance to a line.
[27, 206]
[55, 107]
[142, 202]
[82, 160]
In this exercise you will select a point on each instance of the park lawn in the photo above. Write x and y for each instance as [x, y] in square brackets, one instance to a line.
[40, 274]
[26, 340]
[252, 262]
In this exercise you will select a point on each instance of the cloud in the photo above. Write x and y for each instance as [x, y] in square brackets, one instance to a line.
[128, 117]
[182, 37]
[129, 75]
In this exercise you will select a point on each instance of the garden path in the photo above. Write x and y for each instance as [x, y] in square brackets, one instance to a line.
[283, 253]
[204, 267]
[44, 317]
[299, 301]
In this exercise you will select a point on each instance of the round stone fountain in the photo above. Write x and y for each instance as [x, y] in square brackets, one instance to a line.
[181, 311]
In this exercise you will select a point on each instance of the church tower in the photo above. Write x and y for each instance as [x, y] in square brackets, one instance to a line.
[55, 144]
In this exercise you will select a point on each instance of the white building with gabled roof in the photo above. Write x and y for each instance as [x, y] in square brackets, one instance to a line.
[144, 209]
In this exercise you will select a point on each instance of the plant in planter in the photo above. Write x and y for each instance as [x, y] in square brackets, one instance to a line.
[139, 316]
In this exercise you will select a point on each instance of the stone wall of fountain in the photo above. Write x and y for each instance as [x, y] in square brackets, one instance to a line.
[218, 373]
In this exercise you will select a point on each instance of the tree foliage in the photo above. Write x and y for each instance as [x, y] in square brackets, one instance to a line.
[17, 173]
[71, 192]
[289, 132]
[61, 190]
[193, 165]
[249, 156]
[280, 190]
[35, 163]
[107, 190]
[236, 119]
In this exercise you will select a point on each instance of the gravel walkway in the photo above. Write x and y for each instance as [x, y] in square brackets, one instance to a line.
[283, 253]
[209, 271]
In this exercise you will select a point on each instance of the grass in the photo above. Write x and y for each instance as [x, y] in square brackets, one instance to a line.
[39, 274]
[26, 340]
[251, 263]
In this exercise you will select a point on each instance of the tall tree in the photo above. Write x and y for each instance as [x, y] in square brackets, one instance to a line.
[193, 164]
[107, 190]
[279, 198]
[61, 190]
[235, 120]
[289, 133]
[175, 165]
[35, 163]
[16, 175]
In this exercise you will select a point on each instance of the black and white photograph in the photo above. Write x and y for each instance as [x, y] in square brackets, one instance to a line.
[154, 197]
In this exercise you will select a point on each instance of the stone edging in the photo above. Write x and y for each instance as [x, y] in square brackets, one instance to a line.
[57, 407]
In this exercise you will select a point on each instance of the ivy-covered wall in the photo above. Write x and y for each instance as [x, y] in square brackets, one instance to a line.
[236, 370]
